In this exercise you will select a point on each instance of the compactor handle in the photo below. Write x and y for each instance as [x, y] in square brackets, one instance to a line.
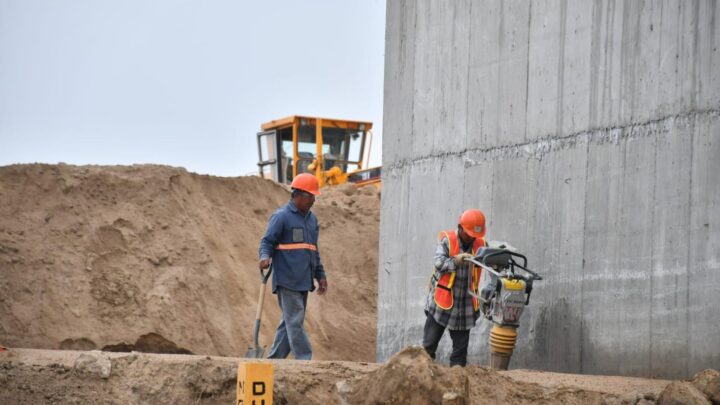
[534, 276]
[506, 252]
[481, 261]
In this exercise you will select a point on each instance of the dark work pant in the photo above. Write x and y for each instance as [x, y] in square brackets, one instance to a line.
[432, 333]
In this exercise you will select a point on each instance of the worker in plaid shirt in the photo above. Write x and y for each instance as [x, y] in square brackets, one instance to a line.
[449, 305]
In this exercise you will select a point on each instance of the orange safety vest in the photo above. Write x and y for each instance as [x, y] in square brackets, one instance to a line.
[443, 288]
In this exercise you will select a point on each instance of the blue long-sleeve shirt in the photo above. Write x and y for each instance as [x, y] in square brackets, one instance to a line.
[291, 241]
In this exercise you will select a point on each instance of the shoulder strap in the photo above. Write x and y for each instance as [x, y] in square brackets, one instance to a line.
[453, 245]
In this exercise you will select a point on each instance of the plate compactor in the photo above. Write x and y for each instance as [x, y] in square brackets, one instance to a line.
[505, 287]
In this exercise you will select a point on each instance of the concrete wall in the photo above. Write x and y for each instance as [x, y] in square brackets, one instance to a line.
[589, 134]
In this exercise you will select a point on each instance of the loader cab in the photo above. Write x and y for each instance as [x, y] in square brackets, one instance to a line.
[319, 146]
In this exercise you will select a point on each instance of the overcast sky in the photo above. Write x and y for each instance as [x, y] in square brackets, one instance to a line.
[182, 83]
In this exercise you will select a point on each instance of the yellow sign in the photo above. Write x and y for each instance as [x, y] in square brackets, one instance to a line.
[255, 384]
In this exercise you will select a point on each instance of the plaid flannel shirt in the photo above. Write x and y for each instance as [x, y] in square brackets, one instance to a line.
[462, 315]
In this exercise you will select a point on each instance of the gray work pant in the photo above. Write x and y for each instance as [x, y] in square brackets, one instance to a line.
[290, 335]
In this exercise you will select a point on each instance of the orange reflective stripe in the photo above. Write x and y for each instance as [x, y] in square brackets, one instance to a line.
[476, 272]
[292, 246]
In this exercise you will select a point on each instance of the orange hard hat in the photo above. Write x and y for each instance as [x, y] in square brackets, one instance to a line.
[306, 182]
[473, 223]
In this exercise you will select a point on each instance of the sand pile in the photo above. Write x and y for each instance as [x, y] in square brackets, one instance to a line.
[155, 258]
[411, 377]
[52, 376]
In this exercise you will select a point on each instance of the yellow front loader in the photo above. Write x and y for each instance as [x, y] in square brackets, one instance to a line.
[335, 151]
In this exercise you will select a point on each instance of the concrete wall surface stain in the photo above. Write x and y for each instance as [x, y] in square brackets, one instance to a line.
[589, 134]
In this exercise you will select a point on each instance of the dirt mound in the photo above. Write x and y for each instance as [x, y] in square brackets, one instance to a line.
[150, 343]
[364, 200]
[708, 382]
[155, 258]
[682, 393]
[411, 377]
[44, 376]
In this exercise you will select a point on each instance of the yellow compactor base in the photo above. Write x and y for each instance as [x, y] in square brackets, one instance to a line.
[502, 344]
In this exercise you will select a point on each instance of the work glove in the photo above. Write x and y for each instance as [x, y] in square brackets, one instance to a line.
[459, 259]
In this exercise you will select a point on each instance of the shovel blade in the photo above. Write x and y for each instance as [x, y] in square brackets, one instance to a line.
[256, 352]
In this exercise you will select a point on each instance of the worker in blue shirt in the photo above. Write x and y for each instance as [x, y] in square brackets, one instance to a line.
[290, 244]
